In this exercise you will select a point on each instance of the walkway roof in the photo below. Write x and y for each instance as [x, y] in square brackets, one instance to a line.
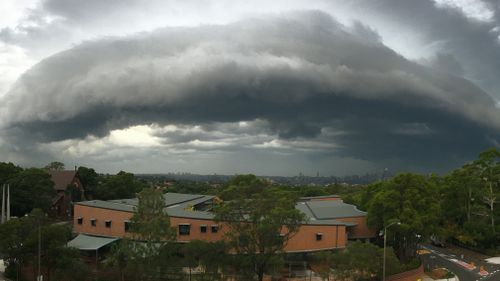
[90, 243]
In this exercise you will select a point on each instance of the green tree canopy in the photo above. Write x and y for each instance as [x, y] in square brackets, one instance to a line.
[8, 171]
[31, 188]
[19, 240]
[89, 179]
[54, 166]
[119, 186]
[412, 200]
[151, 231]
[358, 261]
[261, 220]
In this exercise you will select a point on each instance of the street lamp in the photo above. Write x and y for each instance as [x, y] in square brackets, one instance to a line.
[385, 242]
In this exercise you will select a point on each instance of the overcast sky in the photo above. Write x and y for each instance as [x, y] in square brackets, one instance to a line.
[266, 87]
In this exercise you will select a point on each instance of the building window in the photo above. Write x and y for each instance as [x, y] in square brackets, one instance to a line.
[203, 229]
[215, 228]
[127, 226]
[93, 222]
[319, 236]
[107, 223]
[184, 229]
[79, 220]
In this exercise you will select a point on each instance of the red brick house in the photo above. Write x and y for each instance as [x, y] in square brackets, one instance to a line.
[69, 189]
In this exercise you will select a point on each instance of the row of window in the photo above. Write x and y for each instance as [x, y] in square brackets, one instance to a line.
[185, 228]
[93, 222]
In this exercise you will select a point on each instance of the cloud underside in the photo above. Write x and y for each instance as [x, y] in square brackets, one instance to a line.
[299, 83]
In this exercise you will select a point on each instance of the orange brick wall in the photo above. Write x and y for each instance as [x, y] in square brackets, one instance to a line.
[101, 215]
[361, 230]
[305, 239]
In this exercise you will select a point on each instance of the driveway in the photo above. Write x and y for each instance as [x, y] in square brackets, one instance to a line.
[462, 267]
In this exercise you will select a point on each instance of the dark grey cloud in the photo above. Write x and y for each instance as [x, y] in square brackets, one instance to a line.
[303, 76]
[472, 42]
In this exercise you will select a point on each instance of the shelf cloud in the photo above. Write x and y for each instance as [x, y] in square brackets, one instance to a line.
[298, 83]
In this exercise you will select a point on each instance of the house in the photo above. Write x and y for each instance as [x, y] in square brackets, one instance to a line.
[330, 222]
[69, 189]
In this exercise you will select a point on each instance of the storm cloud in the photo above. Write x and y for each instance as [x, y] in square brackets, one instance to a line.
[298, 82]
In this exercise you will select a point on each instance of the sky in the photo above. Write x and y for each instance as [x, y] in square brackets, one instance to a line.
[266, 87]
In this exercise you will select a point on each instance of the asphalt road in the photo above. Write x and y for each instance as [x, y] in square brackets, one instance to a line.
[440, 257]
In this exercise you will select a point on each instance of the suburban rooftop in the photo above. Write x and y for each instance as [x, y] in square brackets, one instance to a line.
[318, 212]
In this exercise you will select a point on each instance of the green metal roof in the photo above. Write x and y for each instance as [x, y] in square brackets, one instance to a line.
[179, 205]
[112, 205]
[90, 243]
[333, 209]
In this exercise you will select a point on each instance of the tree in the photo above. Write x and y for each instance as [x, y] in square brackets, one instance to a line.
[242, 186]
[119, 257]
[31, 188]
[13, 234]
[7, 171]
[260, 220]
[150, 225]
[54, 238]
[211, 256]
[488, 165]
[119, 186]
[69, 266]
[89, 179]
[54, 166]
[412, 200]
[358, 261]
[19, 240]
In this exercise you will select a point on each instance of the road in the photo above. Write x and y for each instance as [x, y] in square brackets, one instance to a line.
[440, 257]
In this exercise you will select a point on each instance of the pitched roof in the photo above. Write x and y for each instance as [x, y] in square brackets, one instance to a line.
[62, 179]
[333, 210]
[179, 205]
[176, 205]
[87, 242]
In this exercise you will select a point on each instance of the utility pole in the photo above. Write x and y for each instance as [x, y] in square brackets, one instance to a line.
[39, 251]
[39, 277]
[8, 202]
[2, 219]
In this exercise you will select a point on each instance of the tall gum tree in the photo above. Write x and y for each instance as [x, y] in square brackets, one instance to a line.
[260, 222]
[151, 231]
[412, 200]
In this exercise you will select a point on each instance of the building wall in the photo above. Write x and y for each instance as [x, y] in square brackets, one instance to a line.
[361, 230]
[117, 218]
[305, 240]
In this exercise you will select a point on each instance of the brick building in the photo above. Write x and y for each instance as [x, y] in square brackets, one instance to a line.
[330, 223]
